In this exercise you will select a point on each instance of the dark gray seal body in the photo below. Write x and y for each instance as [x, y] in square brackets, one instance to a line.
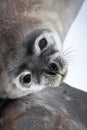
[60, 108]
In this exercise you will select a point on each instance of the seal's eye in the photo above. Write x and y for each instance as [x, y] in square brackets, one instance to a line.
[42, 43]
[23, 80]
[26, 79]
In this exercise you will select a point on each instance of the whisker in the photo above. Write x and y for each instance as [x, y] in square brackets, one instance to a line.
[69, 52]
[69, 48]
[70, 57]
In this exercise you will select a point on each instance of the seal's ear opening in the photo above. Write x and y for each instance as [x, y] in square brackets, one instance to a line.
[67, 11]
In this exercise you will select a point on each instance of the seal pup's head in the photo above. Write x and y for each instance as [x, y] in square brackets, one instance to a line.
[31, 37]
[34, 64]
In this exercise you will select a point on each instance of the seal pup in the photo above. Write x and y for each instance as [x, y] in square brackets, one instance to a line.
[31, 44]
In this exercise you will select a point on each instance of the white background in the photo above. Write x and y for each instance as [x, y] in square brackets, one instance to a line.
[77, 41]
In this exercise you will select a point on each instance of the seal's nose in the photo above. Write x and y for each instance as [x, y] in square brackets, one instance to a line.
[57, 66]
[53, 67]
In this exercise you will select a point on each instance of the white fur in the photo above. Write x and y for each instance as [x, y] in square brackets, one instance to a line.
[17, 83]
[20, 90]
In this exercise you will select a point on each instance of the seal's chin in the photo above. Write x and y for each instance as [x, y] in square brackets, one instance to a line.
[54, 73]
[50, 73]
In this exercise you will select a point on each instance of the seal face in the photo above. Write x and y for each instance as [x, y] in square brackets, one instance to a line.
[36, 63]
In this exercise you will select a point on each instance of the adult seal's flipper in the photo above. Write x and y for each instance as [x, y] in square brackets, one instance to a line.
[61, 108]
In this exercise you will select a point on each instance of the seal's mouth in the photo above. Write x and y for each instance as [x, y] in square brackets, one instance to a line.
[53, 73]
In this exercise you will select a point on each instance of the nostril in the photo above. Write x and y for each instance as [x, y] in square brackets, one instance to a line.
[53, 67]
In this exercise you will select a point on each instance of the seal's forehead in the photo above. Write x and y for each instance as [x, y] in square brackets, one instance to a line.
[36, 33]
[29, 38]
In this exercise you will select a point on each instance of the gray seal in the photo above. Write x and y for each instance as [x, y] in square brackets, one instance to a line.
[31, 44]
